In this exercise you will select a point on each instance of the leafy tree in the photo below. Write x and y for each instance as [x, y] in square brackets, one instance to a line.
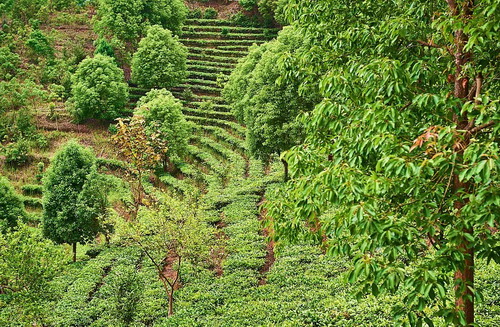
[11, 206]
[140, 150]
[267, 105]
[170, 237]
[399, 169]
[98, 90]
[127, 20]
[74, 200]
[163, 116]
[160, 60]
[27, 264]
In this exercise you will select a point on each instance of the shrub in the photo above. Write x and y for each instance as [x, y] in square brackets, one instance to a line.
[210, 13]
[17, 154]
[160, 60]
[98, 90]
[24, 10]
[11, 206]
[62, 4]
[15, 94]
[39, 45]
[32, 189]
[9, 63]
[103, 47]
[195, 13]
[248, 4]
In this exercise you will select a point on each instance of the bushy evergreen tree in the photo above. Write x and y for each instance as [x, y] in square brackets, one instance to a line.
[164, 119]
[266, 103]
[127, 20]
[98, 90]
[74, 197]
[160, 60]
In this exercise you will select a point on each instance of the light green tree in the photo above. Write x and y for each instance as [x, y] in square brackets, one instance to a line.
[171, 236]
[27, 264]
[128, 20]
[160, 60]
[400, 166]
[98, 90]
[164, 119]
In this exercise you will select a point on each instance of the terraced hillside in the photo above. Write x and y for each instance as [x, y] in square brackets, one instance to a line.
[248, 286]
[217, 154]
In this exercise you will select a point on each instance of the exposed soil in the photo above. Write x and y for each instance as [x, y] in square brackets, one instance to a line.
[225, 8]
[270, 258]
[168, 269]
[218, 254]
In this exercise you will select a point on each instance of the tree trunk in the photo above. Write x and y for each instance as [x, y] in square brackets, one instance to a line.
[171, 302]
[465, 287]
[285, 166]
[465, 275]
[74, 252]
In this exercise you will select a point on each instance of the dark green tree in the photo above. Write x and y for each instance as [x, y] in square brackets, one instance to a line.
[399, 170]
[98, 90]
[267, 104]
[160, 60]
[74, 200]
[11, 206]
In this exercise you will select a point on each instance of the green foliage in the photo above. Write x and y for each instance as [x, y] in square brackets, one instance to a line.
[210, 13]
[397, 170]
[163, 116]
[195, 13]
[23, 10]
[11, 206]
[264, 103]
[9, 63]
[32, 189]
[103, 47]
[39, 45]
[18, 125]
[15, 94]
[27, 264]
[98, 90]
[74, 196]
[160, 60]
[63, 4]
[248, 4]
[128, 20]
[177, 229]
[17, 154]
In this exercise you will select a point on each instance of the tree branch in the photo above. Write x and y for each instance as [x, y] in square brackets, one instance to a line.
[481, 127]
[431, 44]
